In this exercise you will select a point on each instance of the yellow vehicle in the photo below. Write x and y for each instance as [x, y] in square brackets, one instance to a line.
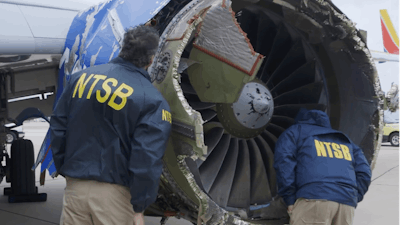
[391, 130]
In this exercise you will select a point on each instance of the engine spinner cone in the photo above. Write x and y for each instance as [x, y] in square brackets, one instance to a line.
[250, 114]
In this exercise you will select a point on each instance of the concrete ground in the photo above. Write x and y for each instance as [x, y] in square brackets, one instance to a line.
[380, 205]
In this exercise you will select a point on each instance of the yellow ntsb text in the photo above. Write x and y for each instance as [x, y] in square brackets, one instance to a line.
[123, 91]
[166, 116]
[340, 151]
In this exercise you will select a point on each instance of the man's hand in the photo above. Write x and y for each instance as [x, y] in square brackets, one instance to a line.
[290, 209]
[138, 219]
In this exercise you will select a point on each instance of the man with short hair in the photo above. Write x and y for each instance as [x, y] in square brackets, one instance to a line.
[321, 173]
[109, 132]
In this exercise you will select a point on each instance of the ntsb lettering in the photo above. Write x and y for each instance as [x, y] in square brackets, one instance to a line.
[332, 150]
[123, 91]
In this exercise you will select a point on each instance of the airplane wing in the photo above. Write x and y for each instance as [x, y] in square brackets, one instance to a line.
[94, 38]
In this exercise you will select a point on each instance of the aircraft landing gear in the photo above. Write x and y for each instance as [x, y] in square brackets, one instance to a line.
[22, 178]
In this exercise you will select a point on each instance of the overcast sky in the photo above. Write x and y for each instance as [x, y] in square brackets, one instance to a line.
[365, 13]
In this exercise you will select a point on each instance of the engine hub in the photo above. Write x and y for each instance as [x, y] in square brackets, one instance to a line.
[254, 107]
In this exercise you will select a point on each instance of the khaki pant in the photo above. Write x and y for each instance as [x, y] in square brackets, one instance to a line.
[321, 212]
[96, 203]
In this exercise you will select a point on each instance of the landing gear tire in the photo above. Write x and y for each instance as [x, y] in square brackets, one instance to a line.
[23, 187]
[394, 139]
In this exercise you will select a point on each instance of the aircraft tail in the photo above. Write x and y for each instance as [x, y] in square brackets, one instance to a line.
[390, 38]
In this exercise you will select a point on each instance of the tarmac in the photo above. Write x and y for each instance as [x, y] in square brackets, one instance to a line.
[379, 207]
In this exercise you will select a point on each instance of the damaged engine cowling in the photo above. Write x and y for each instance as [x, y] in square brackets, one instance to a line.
[235, 74]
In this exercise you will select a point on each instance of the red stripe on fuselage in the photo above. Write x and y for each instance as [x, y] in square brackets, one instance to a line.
[388, 42]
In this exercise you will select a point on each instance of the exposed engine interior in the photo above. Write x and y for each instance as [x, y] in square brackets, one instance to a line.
[227, 119]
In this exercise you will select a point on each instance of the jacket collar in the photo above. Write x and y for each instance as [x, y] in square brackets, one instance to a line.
[130, 66]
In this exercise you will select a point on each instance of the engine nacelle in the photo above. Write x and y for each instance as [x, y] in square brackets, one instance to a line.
[236, 74]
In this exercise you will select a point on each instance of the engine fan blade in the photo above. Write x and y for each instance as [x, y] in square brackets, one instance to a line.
[270, 139]
[260, 192]
[240, 192]
[275, 129]
[208, 114]
[292, 61]
[268, 158]
[302, 76]
[280, 47]
[209, 169]
[188, 89]
[211, 140]
[282, 121]
[222, 185]
[200, 105]
[195, 171]
[249, 22]
[265, 34]
[291, 110]
[307, 94]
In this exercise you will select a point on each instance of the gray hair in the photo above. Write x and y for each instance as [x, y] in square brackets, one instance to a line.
[139, 45]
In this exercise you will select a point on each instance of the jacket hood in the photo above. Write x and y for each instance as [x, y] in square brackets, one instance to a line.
[313, 117]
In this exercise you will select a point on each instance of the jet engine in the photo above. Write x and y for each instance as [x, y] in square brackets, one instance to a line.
[235, 74]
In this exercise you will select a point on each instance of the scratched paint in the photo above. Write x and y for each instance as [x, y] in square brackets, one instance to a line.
[115, 49]
[94, 57]
[69, 65]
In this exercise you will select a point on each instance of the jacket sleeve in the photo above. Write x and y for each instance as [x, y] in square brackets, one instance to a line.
[363, 172]
[285, 166]
[148, 146]
[58, 127]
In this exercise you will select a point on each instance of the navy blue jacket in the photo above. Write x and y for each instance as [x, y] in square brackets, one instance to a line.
[112, 125]
[313, 161]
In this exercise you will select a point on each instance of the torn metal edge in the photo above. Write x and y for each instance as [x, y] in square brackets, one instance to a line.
[359, 46]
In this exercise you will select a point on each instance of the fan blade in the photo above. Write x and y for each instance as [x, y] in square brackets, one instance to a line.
[282, 121]
[211, 140]
[292, 61]
[302, 76]
[200, 105]
[210, 168]
[208, 114]
[195, 171]
[240, 192]
[188, 89]
[268, 158]
[249, 22]
[280, 48]
[265, 34]
[260, 192]
[291, 110]
[306, 94]
[270, 139]
[275, 129]
[221, 188]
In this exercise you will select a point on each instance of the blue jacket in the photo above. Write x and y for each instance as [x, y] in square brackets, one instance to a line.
[112, 125]
[313, 161]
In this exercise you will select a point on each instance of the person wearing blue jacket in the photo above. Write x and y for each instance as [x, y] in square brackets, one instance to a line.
[109, 132]
[321, 173]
